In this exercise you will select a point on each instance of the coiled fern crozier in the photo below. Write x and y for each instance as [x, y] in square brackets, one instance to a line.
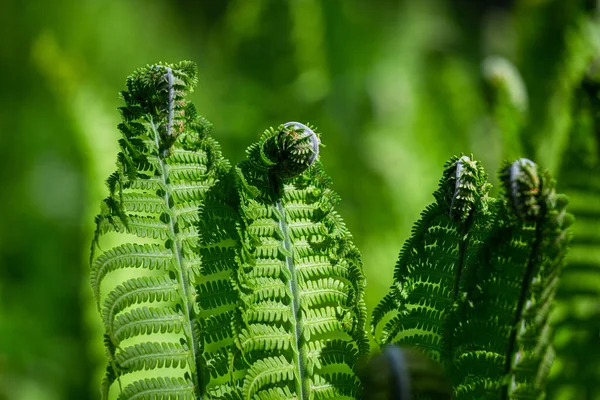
[242, 282]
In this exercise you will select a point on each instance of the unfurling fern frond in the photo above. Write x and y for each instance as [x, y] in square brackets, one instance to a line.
[487, 322]
[167, 164]
[299, 328]
[435, 262]
[504, 344]
[243, 283]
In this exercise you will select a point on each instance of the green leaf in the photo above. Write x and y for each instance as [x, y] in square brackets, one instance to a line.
[299, 275]
[167, 164]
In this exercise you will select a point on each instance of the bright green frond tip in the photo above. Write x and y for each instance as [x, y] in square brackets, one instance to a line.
[300, 280]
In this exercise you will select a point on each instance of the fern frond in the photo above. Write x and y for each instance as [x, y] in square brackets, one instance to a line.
[214, 294]
[474, 288]
[147, 321]
[434, 265]
[266, 373]
[324, 353]
[137, 291]
[150, 355]
[167, 165]
[299, 275]
[336, 386]
[129, 255]
[141, 226]
[504, 341]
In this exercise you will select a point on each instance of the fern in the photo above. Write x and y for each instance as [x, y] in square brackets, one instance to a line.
[166, 165]
[479, 299]
[506, 324]
[244, 283]
[428, 274]
[299, 328]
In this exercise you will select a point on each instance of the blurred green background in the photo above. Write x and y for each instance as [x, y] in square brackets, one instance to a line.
[395, 88]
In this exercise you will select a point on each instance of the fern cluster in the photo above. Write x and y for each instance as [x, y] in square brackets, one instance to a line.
[242, 282]
[476, 292]
[232, 283]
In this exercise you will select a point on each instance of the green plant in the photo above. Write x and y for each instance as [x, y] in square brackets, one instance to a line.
[249, 284]
[474, 288]
[166, 164]
[243, 282]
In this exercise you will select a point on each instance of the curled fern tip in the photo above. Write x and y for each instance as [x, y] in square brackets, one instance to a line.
[523, 185]
[307, 133]
[287, 151]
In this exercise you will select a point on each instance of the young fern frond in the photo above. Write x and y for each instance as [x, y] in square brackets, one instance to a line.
[243, 283]
[299, 328]
[434, 263]
[530, 354]
[504, 342]
[489, 325]
[166, 165]
[247, 284]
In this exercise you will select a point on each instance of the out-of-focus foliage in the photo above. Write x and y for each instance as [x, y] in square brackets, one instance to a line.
[395, 87]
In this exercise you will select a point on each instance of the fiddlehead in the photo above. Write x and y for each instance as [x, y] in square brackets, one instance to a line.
[522, 185]
[529, 354]
[167, 163]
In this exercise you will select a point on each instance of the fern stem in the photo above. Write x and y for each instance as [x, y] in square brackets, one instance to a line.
[192, 339]
[447, 355]
[525, 285]
[459, 268]
[300, 360]
[171, 103]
